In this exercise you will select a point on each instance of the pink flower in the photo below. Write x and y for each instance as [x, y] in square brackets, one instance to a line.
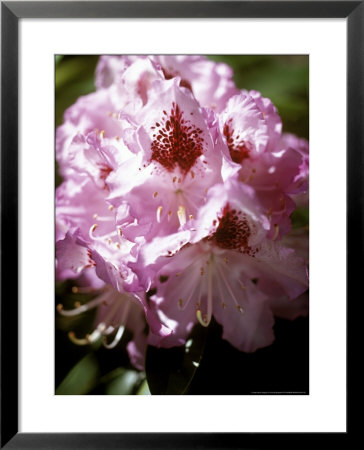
[272, 163]
[116, 313]
[210, 82]
[176, 181]
[161, 189]
[222, 273]
[91, 113]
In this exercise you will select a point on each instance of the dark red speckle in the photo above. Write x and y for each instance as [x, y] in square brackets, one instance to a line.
[176, 142]
[104, 172]
[233, 231]
[238, 148]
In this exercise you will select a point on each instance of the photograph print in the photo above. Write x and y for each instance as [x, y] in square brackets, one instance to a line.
[181, 224]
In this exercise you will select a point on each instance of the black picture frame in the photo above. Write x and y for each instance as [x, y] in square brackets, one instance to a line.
[11, 12]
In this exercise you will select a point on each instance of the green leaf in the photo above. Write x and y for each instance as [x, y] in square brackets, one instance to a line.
[300, 217]
[170, 371]
[58, 58]
[74, 77]
[122, 382]
[143, 389]
[82, 378]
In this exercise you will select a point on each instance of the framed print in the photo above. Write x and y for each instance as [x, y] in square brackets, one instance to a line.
[180, 131]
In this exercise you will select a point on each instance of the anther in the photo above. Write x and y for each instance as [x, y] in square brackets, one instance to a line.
[155, 194]
[181, 213]
[202, 320]
[239, 308]
[118, 336]
[111, 207]
[159, 213]
[75, 289]
[180, 302]
[276, 232]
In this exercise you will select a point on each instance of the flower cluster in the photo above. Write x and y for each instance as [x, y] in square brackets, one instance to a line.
[175, 205]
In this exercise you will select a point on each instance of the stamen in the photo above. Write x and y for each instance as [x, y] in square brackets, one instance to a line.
[73, 312]
[111, 207]
[83, 290]
[155, 194]
[92, 229]
[117, 338]
[181, 213]
[77, 341]
[276, 232]
[194, 283]
[201, 319]
[228, 288]
[159, 213]
[89, 338]
[103, 218]
[85, 307]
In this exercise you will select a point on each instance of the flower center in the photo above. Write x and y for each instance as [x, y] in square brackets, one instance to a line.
[233, 231]
[176, 141]
[104, 172]
[238, 148]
